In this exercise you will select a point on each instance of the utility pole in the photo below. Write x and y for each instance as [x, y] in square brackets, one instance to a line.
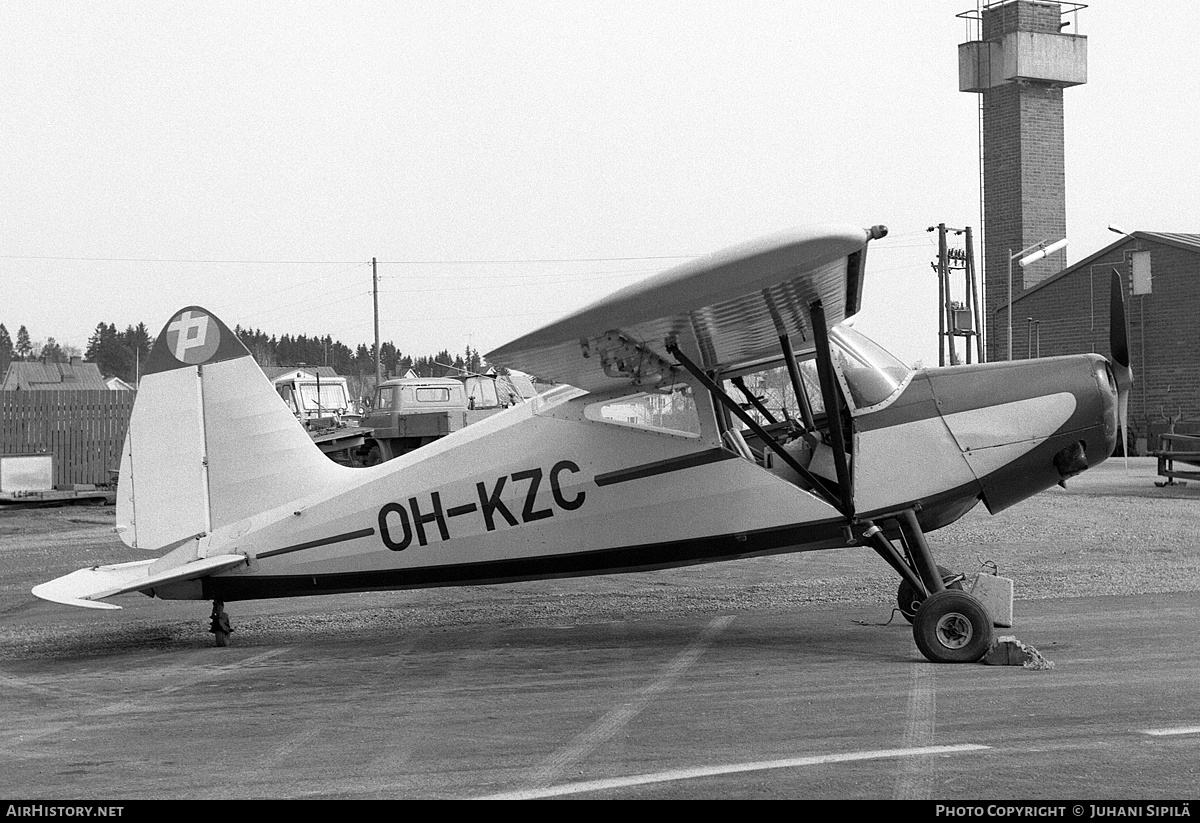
[955, 318]
[943, 300]
[375, 292]
[973, 300]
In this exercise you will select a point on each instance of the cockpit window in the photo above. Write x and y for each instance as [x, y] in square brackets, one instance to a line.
[671, 413]
[870, 373]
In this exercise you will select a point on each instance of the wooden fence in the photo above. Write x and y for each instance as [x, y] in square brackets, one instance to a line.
[83, 429]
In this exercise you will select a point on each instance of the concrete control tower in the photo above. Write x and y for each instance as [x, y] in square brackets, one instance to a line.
[1020, 63]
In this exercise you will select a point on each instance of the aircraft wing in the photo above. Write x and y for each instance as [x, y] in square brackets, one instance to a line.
[728, 310]
[87, 586]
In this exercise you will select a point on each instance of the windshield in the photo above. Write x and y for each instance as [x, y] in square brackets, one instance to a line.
[333, 396]
[871, 373]
[481, 393]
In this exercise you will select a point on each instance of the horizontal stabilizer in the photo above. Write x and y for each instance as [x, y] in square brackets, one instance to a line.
[86, 586]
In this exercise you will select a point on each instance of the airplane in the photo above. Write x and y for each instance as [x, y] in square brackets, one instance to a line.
[643, 457]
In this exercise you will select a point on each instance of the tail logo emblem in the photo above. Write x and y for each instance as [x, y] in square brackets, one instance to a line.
[192, 337]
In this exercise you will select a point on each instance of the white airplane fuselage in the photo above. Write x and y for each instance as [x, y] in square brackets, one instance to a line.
[545, 489]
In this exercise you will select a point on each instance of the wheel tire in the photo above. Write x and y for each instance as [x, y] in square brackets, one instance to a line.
[908, 599]
[953, 627]
[222, 638]
[374, 458]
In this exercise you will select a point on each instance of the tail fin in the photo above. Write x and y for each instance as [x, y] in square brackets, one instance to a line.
[209, 442]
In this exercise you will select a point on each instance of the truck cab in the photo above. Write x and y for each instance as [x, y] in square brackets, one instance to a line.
[409, 412]
[318, 402]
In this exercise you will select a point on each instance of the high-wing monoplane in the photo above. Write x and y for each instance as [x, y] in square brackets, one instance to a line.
[652, 453]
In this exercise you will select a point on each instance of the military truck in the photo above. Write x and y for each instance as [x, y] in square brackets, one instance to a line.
[314, 396]
[322, 404]
[406, 412]
[409, 412]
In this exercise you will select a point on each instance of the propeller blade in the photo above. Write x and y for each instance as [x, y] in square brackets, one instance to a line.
[1118, 343]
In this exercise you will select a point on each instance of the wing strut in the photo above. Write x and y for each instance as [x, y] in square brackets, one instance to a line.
[717, 392]
[754, 400]
[789, 356]
[833, 406]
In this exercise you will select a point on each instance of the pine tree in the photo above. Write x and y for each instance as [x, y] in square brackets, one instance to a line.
[138, 340]
[6, 350]
[52, 352]
[473, 362]
[24, 348]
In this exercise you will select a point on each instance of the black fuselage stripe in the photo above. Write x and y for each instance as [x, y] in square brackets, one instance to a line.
[807, 536]
[672, 464]
[312, 544]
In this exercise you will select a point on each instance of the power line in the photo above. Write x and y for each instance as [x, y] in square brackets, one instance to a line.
[180, 260]
[458, 287]
[537, 260]
[346, 262]
[459, 276]
[291, 287]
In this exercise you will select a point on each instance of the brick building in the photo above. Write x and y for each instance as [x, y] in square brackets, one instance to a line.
[1068, 313]
[1019, 60]
[1019, 64]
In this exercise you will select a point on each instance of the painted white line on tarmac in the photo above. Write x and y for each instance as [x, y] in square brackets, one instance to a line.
[618, 718]
[732, 768]
[1173, 731]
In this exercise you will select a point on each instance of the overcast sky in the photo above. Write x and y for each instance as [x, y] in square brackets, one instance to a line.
[252, 158]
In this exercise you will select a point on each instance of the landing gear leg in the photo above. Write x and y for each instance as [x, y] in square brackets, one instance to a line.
[909, 599]
[949, 625]
[220, 626]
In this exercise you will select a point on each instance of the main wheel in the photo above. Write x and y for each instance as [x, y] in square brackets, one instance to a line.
[952, 627]
[374, 457]
[908, 599]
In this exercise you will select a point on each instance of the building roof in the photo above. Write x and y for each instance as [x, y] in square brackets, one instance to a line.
[117, 384]
[1190, 242]
[30, 375]
[276, 371]
[1187, 242]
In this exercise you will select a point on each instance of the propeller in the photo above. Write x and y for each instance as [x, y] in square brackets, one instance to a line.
[1118, 345]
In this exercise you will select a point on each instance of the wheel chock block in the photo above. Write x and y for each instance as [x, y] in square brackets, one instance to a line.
[1008, 651]
[996, 594]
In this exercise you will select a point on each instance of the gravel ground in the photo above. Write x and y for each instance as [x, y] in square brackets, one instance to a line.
[1111, 531]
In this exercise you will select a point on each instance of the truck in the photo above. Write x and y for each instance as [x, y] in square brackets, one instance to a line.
[315, 395]
[321, 402]
[409, 412]
[406, 412]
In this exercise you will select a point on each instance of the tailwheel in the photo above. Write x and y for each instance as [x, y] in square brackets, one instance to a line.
[220, 625]
[908, 597]
[952, 626]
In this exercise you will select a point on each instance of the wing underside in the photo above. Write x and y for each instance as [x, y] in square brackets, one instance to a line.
[727, 310]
